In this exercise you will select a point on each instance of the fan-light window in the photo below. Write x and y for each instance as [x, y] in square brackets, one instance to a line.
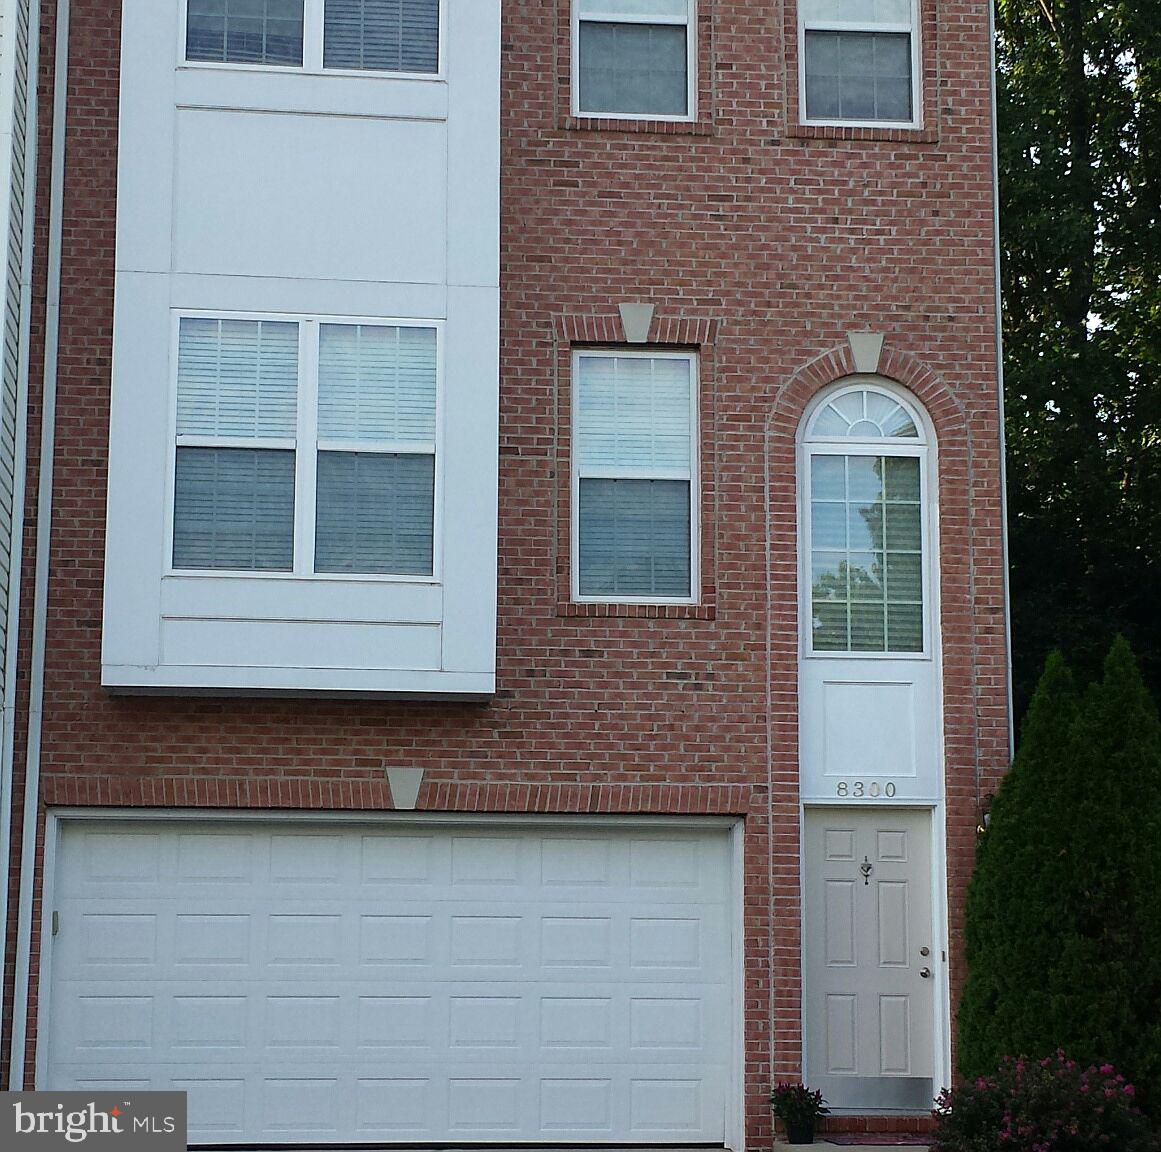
[866, 454]
[305, 447]
[355, 35]
[634, 522]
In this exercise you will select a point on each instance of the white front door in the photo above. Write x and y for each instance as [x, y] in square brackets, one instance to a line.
[870, 958]
[370, 984]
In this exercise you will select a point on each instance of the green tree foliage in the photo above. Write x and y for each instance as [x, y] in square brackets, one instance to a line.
[1064, 909]
[1079, 88]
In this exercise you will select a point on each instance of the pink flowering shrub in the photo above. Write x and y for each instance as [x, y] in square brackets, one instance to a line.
[1049, 1105]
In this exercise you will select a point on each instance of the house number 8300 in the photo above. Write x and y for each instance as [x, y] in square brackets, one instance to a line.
[859, 789]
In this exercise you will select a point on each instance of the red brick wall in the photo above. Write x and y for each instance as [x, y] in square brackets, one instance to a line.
[760, 243]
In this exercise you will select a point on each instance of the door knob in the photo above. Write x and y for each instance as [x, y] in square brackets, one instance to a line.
[925, 973]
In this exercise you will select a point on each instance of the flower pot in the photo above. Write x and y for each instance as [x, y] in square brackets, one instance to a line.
[800, 1133]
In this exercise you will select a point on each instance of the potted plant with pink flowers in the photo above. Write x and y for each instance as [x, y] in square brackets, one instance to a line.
[799, 1108]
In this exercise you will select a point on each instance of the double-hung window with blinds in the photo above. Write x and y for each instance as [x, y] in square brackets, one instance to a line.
[634, 58]
[356, 35]
[305, 446]
[858, 61]
[634, 490]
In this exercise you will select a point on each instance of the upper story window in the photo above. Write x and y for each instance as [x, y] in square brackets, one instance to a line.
[634, 491]
[634, 58]
[355, 35]
[865, 455]
[305, 446]
[858, 61]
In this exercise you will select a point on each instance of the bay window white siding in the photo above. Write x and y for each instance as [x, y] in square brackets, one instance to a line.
[312, 262]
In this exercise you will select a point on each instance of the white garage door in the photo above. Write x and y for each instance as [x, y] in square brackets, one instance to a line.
[319, 984]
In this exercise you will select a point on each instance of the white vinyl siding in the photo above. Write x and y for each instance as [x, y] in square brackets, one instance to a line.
[400, 36]
[634, 58]
[305, 447]
[634, 506]
[859, 61]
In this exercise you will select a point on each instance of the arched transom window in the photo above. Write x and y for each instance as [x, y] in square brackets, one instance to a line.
[865, 454]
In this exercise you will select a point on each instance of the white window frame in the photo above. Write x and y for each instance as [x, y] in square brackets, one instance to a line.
[313, 24]
[913, 30]
[692, 476]
[306, 446]
[919, 448]
[690, 23]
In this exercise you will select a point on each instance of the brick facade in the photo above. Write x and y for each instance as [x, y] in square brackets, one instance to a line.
[761, 245]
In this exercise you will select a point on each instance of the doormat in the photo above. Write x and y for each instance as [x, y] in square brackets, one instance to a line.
[876, 1139]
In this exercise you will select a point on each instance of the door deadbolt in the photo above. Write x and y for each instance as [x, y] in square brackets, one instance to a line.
[924, 951]
[925, 973]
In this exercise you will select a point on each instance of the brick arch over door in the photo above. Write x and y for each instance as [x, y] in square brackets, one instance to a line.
[960, 645]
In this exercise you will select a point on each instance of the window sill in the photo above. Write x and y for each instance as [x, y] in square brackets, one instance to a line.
[631, 124]
[637, 611]
[862, 132]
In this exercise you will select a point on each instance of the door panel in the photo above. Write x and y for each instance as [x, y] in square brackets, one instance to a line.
[869, 1010]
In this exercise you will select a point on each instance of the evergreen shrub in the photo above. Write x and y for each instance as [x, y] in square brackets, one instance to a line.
[1064, 909]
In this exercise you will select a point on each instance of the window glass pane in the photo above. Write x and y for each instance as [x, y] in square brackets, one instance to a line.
[869, 71]
[634, 412]
[902, 478]
[903, 529]
[245, 31]
[233, 508]
[830, 627]
[828, 477]
[864, 478]
[830, 524]
[904, 628]
[665, 9]
[857, 11]
[904, 577]
[237, 378]
[634, 538]
[376, 383]
[878, 567]
[382, 35]
[868, 628]
[633, 69]
[375, 513]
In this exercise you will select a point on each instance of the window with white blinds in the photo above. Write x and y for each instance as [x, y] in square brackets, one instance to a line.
[382, 35]
[858, 61]
[634, 58]
[245, 31]
[634, 472]
[305, 446]
[353, 35]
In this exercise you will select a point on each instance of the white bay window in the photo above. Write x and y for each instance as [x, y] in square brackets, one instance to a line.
[634, 477]
[351, 35]
[305, 447]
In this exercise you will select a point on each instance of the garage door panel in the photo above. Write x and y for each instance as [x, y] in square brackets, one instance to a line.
[355, 984]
